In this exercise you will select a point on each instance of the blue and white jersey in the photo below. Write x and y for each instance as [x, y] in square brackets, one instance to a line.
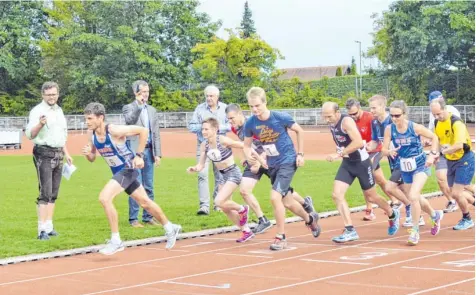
[118, 157]
[410, 145]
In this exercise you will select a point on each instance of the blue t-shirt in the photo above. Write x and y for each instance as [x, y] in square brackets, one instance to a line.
[378, 132]
[273, 134]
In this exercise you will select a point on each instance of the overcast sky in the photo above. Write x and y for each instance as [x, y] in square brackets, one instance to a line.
[307, 32]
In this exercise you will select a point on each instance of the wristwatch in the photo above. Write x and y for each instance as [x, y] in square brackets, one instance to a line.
[140, 155]
[433, 153]
[300, 154]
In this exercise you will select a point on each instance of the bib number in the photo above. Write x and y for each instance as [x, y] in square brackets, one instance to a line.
[271, 150]
[214, 155]
[408, 164]
[113, 161]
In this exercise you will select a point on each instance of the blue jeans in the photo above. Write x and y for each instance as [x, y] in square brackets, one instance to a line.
[146, 178]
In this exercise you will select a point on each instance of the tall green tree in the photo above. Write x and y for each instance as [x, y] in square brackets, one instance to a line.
[416, 39]
[235, 64]
[22, 26]
[97, 49]
[353, 67]
[247, 24]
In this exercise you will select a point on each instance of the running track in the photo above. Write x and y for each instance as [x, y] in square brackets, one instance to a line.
[376, 264]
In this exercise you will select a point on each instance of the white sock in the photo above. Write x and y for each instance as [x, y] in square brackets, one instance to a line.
[115, 238]
[168, 226]
[242, 208]
[49, 226]
[41, 227]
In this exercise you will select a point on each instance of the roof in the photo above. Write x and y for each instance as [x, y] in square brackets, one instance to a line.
[312, 73]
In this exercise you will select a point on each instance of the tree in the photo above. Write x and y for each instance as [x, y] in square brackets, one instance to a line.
[353, 67]
[97, 49]
[415, 39]
[339, 72]
[247, 23]
[22, 26]
[235, 64]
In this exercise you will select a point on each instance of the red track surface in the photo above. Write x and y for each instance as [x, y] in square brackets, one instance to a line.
[376, 264]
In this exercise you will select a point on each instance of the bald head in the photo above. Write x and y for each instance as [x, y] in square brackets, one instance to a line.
[330, 112]
[330, 106]
[438, 109]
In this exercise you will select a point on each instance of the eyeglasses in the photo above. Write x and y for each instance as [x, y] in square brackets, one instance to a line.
[51, 95]
[396, 115]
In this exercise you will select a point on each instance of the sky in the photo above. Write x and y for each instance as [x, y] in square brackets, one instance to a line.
[308, 33]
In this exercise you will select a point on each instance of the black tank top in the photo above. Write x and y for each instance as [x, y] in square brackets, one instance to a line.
[342, 140]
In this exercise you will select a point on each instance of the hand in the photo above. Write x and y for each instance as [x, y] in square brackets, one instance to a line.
[86, 150]
[244, 163]
[255, 168]
[394, 152]
[43, 120]
[429, 160]
[444, 148]
[192, 169]
[138, 163]
[300, 160]
[69, 160]
[332, 157]
[157, 161]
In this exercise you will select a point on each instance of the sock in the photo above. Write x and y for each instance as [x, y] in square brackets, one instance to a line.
[168, 226]
[242, 208]
[467, 216]
[265, 219]
[49, 226]
[416, 228]
[349, 227]
[281, 236]
[261, 219]
[392, 216]
[115, 238]
[41, 227]
[433, 215]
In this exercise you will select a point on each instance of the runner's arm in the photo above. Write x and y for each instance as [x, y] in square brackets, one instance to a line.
[350, 128]
[300, 137]
[89, 151]
[131, 130]
[386, 142]
[425, 132]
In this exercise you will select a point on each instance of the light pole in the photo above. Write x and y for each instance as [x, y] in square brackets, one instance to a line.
[360, 67]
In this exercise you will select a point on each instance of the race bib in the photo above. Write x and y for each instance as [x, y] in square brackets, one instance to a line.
[113, 161]
[214, 155]
[408, 164]
[271, 150]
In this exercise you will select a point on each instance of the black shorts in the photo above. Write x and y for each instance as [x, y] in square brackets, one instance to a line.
[375, 157]
[127, 178]
[281, 177]
[396, 175]
[348, 171]
[262, 171]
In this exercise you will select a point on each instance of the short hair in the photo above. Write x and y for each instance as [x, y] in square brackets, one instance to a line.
[212, 89]
[399, 104]
[352, 102]
[233, 108]
[212, 121]
[440, 101]
[137, 85]
[95, 108]
[380, 98]
[256, 92]
[49, 85]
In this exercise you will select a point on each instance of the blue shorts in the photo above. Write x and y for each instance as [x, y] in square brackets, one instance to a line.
[281, 177]
[461, 171]
[408, 176]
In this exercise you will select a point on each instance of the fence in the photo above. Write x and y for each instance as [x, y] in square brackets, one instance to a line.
[305, 117]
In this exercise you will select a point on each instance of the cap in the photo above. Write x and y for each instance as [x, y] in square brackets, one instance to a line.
[434, 95]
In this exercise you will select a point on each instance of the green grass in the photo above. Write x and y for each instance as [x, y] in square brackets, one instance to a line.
[80, 219]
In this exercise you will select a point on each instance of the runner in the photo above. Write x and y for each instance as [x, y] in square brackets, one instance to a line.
[455, 146]
[253, 172]
[110, 141]
[355, 164]
[271, 128]
[363, 120]
[414, 164]
[378, 104]
[218, 149]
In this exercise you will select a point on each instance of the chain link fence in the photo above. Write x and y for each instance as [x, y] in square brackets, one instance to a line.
[305, 117]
